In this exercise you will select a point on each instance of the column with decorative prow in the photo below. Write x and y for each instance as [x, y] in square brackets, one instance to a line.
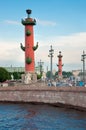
[29, 47]
[60, 65]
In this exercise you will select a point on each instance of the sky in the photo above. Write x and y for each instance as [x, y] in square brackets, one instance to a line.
[60, 23]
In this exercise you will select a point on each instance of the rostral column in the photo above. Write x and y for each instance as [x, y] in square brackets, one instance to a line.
[60, 65]
[29, 47]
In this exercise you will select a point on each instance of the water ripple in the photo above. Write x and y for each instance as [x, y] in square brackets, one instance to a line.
[40, 117]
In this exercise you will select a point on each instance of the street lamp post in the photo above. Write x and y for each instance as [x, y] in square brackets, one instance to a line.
[83, 60]
[40, 64]
[51, 51]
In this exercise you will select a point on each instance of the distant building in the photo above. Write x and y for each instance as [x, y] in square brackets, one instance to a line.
[76, 72]
[21, 69]
[76, 75]
[15, 69]
[54, 71]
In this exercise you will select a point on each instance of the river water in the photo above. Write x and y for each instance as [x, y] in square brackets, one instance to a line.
[40, 117]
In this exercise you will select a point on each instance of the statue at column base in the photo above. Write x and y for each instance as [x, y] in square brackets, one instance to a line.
[29, 77]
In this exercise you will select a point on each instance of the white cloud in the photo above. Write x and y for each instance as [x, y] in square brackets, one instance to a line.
[73, 40]
[10, 53]
[77, 39]
[46, 23]
[12, 22]
[72, 47]
[41, 22]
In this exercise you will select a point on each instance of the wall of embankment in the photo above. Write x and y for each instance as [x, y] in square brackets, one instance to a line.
[74, 97]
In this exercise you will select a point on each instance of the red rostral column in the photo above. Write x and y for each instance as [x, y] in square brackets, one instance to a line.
[29, 43]
[60, 64]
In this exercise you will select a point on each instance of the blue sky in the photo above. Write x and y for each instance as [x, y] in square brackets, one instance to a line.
[60, 23]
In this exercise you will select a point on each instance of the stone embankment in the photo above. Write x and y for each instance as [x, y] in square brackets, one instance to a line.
[74, 97]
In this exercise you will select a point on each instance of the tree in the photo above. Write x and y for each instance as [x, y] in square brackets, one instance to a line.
[48, 74]
[69, 74]
[66, 74]
[56, 74]
[4, 74]
[17, 75]
[39, 76]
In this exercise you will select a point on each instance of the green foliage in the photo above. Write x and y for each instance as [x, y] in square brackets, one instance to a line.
[39, 76]
[48, 74]
[17, 75]
[66, 74]
[4, 74]
[56, 74]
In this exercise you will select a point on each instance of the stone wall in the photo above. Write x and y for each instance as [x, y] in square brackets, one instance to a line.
[74, 97]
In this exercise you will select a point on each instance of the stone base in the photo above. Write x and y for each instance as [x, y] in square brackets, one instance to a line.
[29, 77]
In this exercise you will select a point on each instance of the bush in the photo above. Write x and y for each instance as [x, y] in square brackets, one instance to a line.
[4, 74]
[39, 76]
